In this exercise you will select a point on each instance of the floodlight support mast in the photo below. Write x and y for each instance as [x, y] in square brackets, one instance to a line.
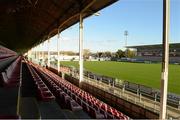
[165, 60]
[126, 35]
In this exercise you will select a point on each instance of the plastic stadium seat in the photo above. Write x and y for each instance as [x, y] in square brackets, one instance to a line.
[41, 85]
[74, 106]
[109, 116]
[79, 101]
[11, 75]
[14, 117]
[85, 106]
[47, 96]
[95, 114]
[6, 81]
[5, 78]
[73, 96]
[96, 107]
[58, 91]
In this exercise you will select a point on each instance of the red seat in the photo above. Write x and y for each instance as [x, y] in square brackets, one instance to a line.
[9, 117]
[47, 96]
[95, 114]
[74, 106]
[85, 106]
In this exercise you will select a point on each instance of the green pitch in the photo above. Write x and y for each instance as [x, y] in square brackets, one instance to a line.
[146, 74]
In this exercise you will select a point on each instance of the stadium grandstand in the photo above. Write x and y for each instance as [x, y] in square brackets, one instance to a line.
[154, 53]
[29, 90]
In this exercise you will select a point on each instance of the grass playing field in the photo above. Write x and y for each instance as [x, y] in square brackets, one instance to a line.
[146, 74]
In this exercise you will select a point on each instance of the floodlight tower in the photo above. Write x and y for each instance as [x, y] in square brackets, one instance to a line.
[126, 36]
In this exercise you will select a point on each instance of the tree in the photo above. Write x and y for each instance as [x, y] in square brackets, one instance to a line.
[120, 54]
[68, 53]
[99, 54]
[130, 53]
[107, 54]
[86, 53]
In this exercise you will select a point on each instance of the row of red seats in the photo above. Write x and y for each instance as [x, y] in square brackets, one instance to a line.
[5, 56]
[43, 91]
[90, 104]
[4, 50]
[62, 98]
[14, 117]
[11, 76]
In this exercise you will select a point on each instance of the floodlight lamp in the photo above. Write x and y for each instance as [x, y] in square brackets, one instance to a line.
[96, 14]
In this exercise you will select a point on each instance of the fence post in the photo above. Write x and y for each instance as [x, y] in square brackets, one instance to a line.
[113, 83]
[101, 79]
[109, 83]
[94, 77]
[140, 97]
[63, 74]
[88, 75]
[123, 88]
[155, 97]
[138, 91]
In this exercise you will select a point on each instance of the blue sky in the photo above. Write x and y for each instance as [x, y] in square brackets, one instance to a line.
[142, 19]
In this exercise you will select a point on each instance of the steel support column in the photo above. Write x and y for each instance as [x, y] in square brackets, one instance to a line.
[165, 60]
[48, 63]
[81, 48]
[38, 53]
[43, 53]
[28, 54]
[58, 54]
[35, 53]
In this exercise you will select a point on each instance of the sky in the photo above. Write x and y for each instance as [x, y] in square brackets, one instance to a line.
[141, 18]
